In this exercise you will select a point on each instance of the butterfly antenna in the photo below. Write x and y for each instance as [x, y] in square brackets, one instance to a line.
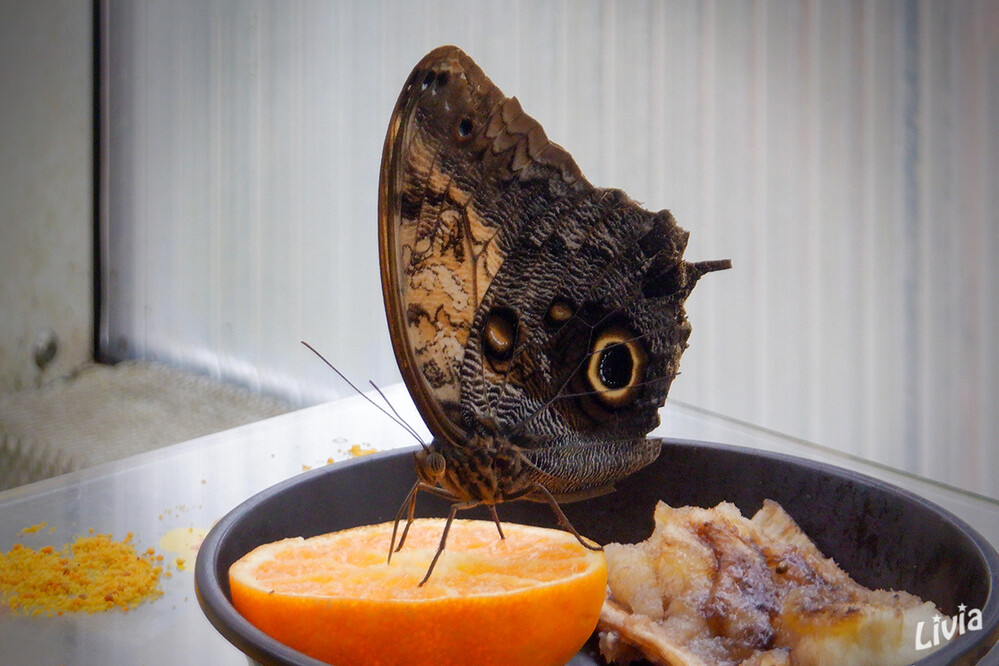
[398, 417]
[395, 417]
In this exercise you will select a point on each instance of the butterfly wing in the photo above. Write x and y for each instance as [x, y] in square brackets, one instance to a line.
[444, 222]
[596, 301]
[521, 298]
[428, 275]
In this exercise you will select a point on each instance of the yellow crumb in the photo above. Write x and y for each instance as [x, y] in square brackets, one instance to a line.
[306, 468]
[91, 574]
[357, 450]
[33, 528]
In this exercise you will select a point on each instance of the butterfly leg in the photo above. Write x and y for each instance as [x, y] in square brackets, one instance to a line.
[455, 508]
[499, 528]
[408, 507]
[540, 493]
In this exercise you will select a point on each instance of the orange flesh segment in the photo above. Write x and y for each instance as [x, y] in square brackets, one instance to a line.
[532, 598]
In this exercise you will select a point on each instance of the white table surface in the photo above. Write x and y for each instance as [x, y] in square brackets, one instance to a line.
[194, 483]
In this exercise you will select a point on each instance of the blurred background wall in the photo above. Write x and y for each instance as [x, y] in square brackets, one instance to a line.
[46, 190]
[843, 155]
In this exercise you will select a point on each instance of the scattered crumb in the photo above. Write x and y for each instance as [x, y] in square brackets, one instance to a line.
[34, 528]
[357, 450]
[91, 574]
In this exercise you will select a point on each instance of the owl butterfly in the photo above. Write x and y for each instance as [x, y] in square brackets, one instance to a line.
[537, 320]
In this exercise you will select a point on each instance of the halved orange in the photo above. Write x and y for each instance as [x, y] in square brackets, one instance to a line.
[532, 598]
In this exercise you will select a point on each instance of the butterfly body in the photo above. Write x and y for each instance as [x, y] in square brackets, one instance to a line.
[487, 469]
[537, 320]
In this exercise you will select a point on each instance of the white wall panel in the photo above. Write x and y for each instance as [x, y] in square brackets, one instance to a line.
[46, 190]
[844, 155]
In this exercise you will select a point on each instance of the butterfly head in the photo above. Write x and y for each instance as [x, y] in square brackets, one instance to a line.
[430, 465]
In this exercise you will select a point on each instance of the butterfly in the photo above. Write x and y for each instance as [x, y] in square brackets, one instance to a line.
[537, 320]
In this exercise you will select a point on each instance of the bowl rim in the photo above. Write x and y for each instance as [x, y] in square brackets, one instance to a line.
[218, 608]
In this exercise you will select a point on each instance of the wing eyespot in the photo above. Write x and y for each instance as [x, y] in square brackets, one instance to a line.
[463, 130]
[559, 312]
[499, 335]
[616, 367]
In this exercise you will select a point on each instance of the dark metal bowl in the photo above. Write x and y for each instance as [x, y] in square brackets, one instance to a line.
[885, 537]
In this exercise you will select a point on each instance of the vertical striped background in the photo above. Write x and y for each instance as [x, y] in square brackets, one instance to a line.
[844, 155]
